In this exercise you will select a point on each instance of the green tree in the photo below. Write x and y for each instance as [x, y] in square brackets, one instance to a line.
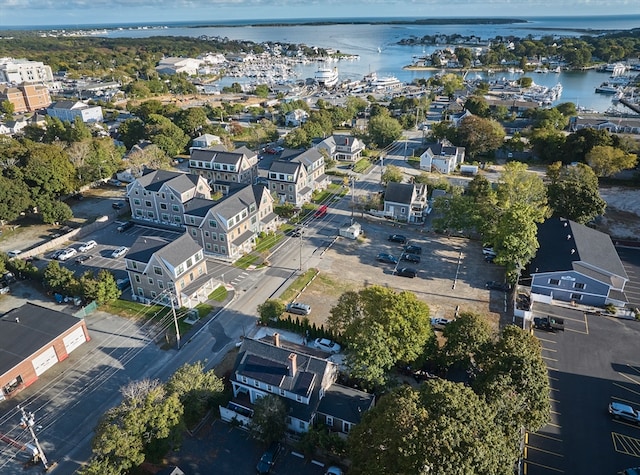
[514, 379]
[132, 131]
[7, 107]
[53, 212]
[268, 423]
[58, 278]
[102, 289]
[191, 120]
[383, 130]
[262, 90]
[197, 389]
[270, 310]
[443, 428]
[466, 337]
[48, 171]
[166, 135]
[140, 427]
[480, 135]
[606, 161]
[14, 198]
[478, 106]
[381, 328]
[297, 138]
[78, 131]
[573, 192]
[392, 174]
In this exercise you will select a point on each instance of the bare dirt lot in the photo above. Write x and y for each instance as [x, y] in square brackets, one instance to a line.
[451, 275]
[622, 216]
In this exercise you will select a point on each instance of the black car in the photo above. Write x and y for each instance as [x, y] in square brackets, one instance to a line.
[126, 225]
[413, 249]
[407, 272]
[117, 205]
[268, 459]
[494, 285]
[397, 238]
[82, 258]
[410, 258]
[550, 324]
[388, 258]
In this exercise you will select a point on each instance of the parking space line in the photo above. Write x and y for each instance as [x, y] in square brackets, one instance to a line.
[554, 425]
[547, 341]
[626, 389]
[549, 358]
[552, 369]
[549, 349]
[624, 444]
[552, 378]
[555, 412]
[528, 462]
[629, 378]
[544, 436]
[625, 423]
[633, 403]
[537, 449]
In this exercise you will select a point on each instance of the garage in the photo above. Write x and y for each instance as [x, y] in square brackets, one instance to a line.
[44, 361]
[74, 339]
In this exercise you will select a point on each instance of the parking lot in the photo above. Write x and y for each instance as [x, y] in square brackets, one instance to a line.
[231, 451]
[451, 274]
[592, 363]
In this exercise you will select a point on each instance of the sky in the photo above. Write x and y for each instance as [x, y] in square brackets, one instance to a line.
[16, 13]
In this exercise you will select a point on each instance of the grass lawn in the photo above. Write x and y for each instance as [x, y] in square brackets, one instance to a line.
[219, 294]
[267, 242]
[361, 165]
[332, 189]
[245, 261]
[298, 285]
[126, 308]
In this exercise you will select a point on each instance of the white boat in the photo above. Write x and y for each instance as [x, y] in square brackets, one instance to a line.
[385, 82]
[605, 88]
[327, 77]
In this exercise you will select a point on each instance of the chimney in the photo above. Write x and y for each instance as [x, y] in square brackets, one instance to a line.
[276, 339]
[293, 364]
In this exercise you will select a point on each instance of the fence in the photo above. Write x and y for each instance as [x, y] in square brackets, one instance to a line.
[86, 310]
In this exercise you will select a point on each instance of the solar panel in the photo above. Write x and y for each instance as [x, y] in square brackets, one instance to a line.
[264, 370]
[303, 383]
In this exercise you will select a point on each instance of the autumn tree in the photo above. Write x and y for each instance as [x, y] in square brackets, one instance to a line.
[606, 160]
[573, 192]
[381, 328]
[392, 174]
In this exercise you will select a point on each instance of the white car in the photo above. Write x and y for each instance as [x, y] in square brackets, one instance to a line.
[299, 308]
[67, 254]
[326, 345]
[14, 253]
[87, 246]
[119, 252]
[440, 323]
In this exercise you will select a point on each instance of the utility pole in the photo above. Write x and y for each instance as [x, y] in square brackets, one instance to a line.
[175, 320]
[300, 261]
[27, 422]
[353, 197]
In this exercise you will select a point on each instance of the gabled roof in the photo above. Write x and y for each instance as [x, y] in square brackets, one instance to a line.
[284, 166]
[308, 157]
[270, 364]
[566, 245]
[180, 182]
[399, 192]
[241, 199]
[35, 328]
[219, 155]
[69, 105]
[172, 252]
[345, 403]
[198, 207]
[443, 148]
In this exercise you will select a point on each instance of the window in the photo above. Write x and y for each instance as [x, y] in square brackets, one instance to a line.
[136, 278]
[153, 294]
[150, 281]
[346, 427]
[302, 425]
[140, 291]
[298, 398]
[329, 421]
[243, 379]
[554, 281]
[206, 234]
[175, 208]
[160, 284]
[165, 217]
[282, 393]
[579, 285]
[269, 388]
[163, 206]
[147, 203]
[194, 232]
[576, 296]
[221, 237]
[256, 384]
[177, 219]
[157, 270]
[134, 265]
[138, 212]
[136, 201]
[150, 215]
[208, 246]
[192, 220]
[213, 223]
[189, 262]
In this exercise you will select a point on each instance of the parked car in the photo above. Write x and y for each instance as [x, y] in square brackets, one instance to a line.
[326, 345]
[440, 323]
[55, 254]
[550, 324]
[119, 252]
[397, 238]
[407, 272]
[13, 253]
[268, 459]
[388, 258]
[117, 205]
[297, 232]
[413, 249]
[299, 308]
[488, 251]
[4, 288]
[123, 283]
[126, 225]
[87, 246]
[83, 258]
[67, 254]
[114, 182]
[333, 470]
[630, 471]
[410, 258]
[495, 285]
[624, 412]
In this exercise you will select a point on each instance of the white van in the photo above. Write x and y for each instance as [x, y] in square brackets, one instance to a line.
[299, 308]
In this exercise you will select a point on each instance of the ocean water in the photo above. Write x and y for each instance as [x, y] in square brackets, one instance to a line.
[378, 49]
